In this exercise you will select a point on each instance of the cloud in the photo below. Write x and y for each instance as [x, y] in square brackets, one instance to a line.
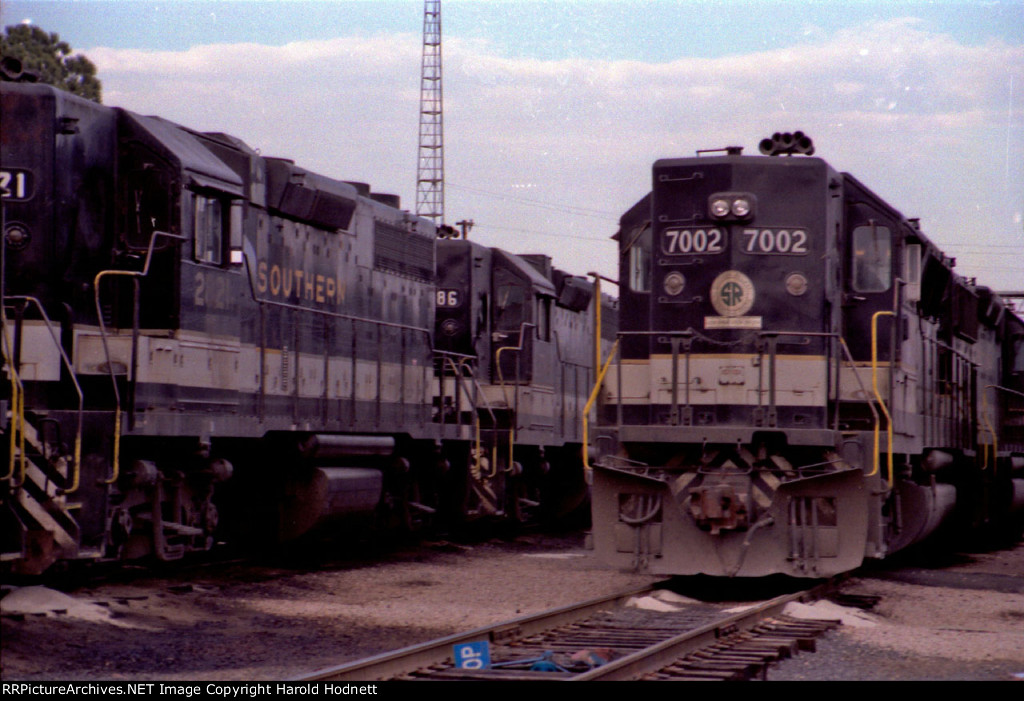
[921, 118]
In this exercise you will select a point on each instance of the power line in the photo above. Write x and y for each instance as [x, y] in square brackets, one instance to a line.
[1019, 247]
[534, 232]
[565, 208]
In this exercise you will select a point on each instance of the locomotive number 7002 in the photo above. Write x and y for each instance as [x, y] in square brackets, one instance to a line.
[683, 241]
[790, 241]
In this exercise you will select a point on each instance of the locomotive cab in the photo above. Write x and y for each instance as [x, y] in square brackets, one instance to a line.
[521, 311]
[742, 282]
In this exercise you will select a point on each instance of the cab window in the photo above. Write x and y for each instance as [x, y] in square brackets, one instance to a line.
[209, 229]
[872, 258]
[543, 318]
[640, 261]
[510, 302]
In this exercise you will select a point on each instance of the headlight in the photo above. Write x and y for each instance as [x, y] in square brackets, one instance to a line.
[741, 207]
[731, 205]
[674, 283]
[719, 208]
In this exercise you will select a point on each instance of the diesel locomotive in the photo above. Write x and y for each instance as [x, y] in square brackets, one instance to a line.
[202, 343]
[801, 381]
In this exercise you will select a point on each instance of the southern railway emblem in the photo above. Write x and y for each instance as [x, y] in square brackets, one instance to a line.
[732, 293]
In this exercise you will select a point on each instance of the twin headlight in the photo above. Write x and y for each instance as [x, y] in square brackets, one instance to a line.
[731, 205]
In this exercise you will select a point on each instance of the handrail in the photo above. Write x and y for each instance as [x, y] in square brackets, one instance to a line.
[765, 344]
[863, 389]
[497, 356]
[494, 424]
[103, 337]
[76, 466]
[590, 401]
[988, 425]
[878, 396]
[17, 412]
[458, 370]
[501, 375]
[513, 407]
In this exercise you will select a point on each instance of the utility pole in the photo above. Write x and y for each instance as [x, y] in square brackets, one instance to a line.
[430, 172]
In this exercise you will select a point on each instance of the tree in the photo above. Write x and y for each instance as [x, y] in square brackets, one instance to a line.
[45, 55]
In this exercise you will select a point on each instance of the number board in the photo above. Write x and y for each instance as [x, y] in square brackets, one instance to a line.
[15, 184]
[449, 298]
[692, 241]
[767, 241]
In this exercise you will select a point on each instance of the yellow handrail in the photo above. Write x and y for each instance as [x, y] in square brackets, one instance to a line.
[501, 375]
[17, 428]
[457, 370]
[590, 402]
[77, 457]
[988, 425]
[878, 396]
[478, 440]
[103, 336]
[116, 467]
[17, 443]
[513, 409]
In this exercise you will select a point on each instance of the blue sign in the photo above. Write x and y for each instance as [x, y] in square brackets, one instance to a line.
[475, 655]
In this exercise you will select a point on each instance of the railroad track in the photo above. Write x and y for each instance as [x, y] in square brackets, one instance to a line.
[607, 639]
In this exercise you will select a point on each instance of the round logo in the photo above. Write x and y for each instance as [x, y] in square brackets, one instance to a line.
[732, 293]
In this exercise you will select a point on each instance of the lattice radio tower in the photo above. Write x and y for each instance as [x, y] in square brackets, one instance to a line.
[430, 172]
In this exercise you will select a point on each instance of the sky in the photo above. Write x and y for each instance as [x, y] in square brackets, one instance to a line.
[555, 111]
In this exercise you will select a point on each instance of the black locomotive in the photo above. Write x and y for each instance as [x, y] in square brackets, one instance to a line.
[201, 342]
[802, 381]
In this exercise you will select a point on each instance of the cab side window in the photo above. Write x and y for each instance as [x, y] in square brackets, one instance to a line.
[543, 318]
[209, 229]
[640, 260]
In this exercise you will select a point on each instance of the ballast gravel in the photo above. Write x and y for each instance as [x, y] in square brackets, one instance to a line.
[253, 622]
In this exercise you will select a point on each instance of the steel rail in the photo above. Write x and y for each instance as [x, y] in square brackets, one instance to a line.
[650, 659]
[389, 664]
[665, 653]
